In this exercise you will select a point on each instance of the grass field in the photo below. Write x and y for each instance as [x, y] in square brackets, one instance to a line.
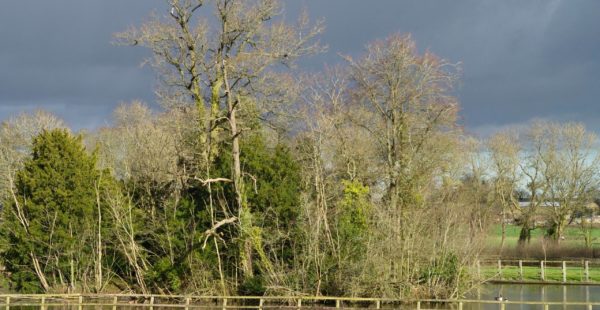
[571, 248]
[573, 236]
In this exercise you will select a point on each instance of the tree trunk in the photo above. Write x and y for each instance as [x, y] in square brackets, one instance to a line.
[524, 235]
[243, 213]
[98, 263]
[559, 231]
[503, 231]
[39, 272]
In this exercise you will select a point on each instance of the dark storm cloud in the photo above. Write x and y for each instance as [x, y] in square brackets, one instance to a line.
[520, 59]
[57, 55]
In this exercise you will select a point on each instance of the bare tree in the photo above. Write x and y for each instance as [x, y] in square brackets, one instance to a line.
[408, 93]
[153, 154]
[221, 68]
[532, 168]
[504, 151]
[570, 174]
[388, 125]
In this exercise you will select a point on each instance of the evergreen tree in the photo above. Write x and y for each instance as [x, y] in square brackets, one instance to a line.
[48, 228]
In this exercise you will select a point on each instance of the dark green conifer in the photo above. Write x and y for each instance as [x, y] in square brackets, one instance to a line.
[52, 217]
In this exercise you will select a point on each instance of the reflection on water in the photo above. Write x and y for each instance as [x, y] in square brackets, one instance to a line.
[534, 292]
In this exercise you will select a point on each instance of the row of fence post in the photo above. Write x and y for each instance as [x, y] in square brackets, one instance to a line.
[298, 301]
[338, 304]
[586, 270]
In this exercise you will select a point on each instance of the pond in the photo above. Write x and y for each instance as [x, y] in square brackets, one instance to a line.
[536, 292]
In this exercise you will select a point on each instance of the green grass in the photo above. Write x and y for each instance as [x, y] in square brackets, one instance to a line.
[573, 236]
[530, 273]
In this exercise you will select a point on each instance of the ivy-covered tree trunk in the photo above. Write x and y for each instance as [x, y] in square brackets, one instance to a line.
[526, 227]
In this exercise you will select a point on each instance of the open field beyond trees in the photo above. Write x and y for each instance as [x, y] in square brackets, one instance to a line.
[571, 249]
[573, 236]
[541, 247]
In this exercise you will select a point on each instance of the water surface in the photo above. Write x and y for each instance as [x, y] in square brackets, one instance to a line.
[536, 292]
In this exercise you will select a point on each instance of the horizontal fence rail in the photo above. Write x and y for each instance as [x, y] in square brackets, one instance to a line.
[551, 271]
[115, 301]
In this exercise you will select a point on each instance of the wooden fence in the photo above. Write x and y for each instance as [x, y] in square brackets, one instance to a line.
[81, 301]
[580, 269]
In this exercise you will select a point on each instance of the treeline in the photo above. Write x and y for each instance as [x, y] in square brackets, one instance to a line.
[133, 211]
[253, 178]
[544, 176]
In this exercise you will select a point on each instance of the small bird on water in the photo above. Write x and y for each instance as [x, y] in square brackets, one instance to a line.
[500, 298]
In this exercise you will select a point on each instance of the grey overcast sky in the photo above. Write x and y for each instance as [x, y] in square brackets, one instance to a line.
[521, 59]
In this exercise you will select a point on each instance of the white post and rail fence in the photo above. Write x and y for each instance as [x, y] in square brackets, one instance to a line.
[551, 271]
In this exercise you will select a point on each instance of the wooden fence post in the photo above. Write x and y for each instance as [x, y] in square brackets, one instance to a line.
[261, 302]
[115, 302]
[187, 302]
[418, 305]
[587, 270]
[378, 304]
[7, 302]
[224, 303]
[564, 271]
[521, 270]
[337, 303]
[299, 305]
[542, 270]
[151, 302]
[80, 300]
[460, 305]
[546, 307]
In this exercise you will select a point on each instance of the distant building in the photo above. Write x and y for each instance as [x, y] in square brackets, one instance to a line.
[544, 204]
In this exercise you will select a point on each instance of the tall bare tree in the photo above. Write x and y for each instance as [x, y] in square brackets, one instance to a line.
[504, 150]
[409, 94]
[571, 173]
[222, 66]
